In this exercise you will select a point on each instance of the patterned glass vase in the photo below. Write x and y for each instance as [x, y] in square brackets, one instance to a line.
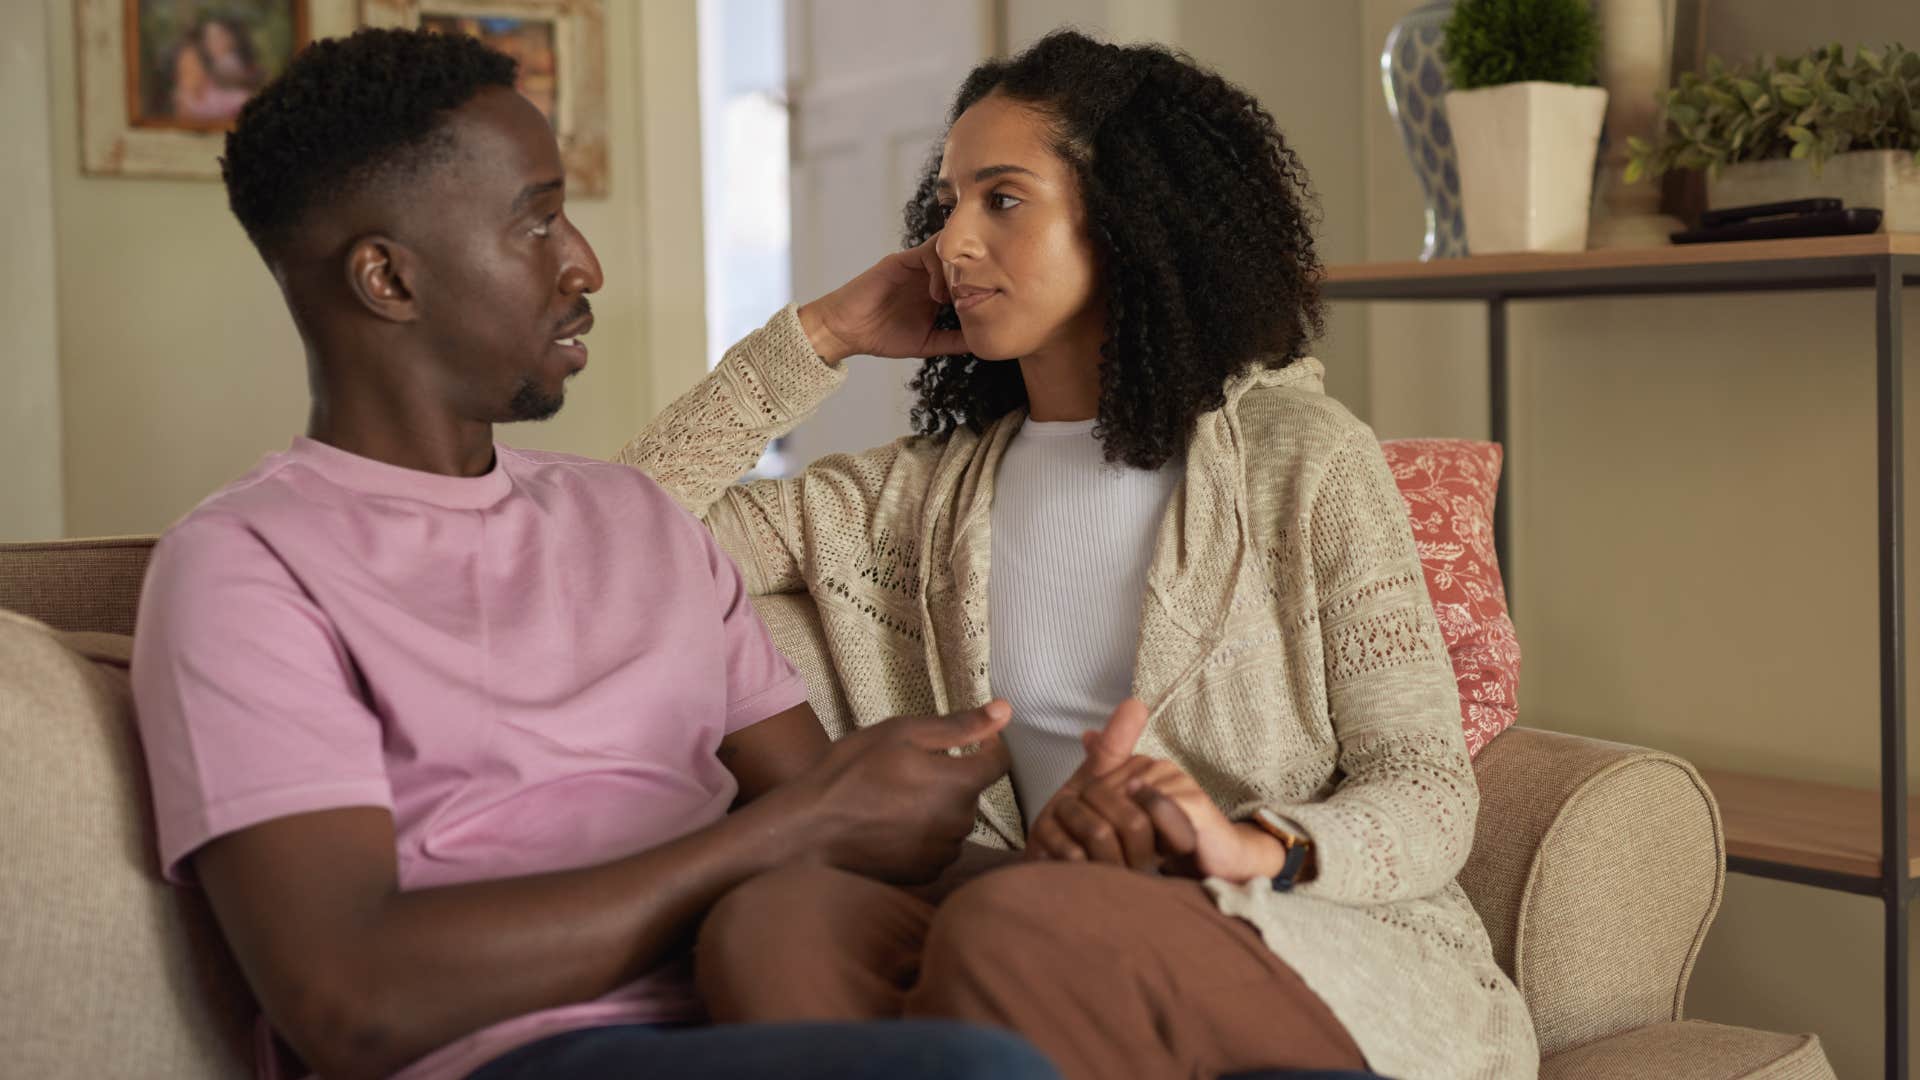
[1415, 80]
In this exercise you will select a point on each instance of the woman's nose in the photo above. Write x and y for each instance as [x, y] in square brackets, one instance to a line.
[958, 239]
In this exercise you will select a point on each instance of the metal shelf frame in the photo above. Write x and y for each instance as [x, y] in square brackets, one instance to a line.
[1880, 263]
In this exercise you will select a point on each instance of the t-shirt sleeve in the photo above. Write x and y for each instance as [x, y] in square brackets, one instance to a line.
[760, 681]
[246, 698]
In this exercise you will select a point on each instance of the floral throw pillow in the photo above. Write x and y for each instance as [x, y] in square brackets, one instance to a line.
[1449, 487]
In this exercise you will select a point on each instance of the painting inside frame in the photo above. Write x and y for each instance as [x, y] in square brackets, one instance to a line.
[532, 42]
[191, 64]
[560, 49]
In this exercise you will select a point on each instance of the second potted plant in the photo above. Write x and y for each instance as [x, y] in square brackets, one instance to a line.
[1799, 127]
[1526, 120]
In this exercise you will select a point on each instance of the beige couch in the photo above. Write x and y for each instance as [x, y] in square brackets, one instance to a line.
[1597, 867]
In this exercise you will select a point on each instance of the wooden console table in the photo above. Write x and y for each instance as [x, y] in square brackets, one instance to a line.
[1816, 834]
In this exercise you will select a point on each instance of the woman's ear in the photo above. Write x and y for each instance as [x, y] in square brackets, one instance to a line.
[381, 276]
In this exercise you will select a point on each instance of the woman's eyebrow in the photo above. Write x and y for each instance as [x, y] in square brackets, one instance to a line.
[988, 173]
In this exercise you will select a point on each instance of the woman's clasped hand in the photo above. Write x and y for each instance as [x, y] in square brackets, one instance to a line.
[1145, 813]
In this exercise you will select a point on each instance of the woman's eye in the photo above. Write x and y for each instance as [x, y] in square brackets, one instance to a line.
[1002, 202]
[945, 210]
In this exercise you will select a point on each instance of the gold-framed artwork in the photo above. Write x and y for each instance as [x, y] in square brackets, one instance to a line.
[563, 65]
[161, 81]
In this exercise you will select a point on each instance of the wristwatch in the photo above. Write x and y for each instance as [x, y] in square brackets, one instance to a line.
[1292, 840]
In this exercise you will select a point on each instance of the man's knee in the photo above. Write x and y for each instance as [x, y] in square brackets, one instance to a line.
[792, 906]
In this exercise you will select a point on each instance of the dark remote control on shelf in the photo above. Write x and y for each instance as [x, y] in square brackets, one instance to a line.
[1858, 219]
[1714, 219]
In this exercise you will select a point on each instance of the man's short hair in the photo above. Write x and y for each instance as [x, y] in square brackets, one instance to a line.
[346, 114]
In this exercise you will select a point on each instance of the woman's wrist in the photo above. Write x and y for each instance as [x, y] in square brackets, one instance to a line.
[826, 344]
[1261, 854]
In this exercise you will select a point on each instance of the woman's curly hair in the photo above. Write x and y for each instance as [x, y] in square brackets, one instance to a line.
[1202, 223]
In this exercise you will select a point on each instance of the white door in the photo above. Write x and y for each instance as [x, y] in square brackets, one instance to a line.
[870, 82]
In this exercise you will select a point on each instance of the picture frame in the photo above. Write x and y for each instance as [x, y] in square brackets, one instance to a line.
[161, 81]
[561, 48]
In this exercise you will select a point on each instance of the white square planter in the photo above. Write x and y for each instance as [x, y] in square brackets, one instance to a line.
[1526, 163]
[1885, 179]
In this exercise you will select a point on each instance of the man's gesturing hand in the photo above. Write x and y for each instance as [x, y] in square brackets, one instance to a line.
[886, 311]
[892, 802]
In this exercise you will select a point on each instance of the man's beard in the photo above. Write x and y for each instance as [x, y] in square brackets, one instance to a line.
[529, 403]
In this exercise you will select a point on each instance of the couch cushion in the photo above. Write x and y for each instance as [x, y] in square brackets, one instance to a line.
[1693, 1050]
[104, 970]
[1449, 487]
[91, 584]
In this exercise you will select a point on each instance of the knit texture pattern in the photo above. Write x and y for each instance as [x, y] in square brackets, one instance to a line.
[1288, 655]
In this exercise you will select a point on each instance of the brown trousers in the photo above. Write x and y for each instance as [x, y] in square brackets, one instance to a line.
[1111, 973]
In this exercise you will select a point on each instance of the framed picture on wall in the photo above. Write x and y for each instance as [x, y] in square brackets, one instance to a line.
[563, 67]
[162, 80]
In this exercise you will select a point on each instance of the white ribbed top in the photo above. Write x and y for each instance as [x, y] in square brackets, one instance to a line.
[1072, 537]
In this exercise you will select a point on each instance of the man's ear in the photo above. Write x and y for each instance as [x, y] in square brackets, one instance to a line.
[382, 274]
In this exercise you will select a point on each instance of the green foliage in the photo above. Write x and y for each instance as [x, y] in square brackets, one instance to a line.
[1490, 42]
[1806, 107]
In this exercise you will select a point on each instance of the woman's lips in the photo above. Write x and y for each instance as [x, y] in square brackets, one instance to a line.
[968, 299]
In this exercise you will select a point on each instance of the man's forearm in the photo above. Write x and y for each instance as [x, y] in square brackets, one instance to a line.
[416, 970]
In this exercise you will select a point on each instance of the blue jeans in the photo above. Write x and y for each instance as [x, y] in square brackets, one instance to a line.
[882, 1050]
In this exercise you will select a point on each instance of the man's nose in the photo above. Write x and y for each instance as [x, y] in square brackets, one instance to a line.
[581, 274]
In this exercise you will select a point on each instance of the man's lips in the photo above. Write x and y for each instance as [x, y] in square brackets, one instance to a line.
[568, 341]
[574, 329]
[966, 297]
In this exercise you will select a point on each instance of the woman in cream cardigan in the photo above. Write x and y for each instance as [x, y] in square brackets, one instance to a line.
[1239, 782]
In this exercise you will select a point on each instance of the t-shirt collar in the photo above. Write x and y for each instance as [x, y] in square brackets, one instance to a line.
[370, 477]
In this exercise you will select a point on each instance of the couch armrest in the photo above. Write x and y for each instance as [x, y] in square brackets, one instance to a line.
[1597, 868]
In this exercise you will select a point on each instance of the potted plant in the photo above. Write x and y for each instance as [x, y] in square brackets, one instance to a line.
[1798, 127]
[1526, 120]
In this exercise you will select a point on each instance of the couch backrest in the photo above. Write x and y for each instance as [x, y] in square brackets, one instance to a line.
[91, 584]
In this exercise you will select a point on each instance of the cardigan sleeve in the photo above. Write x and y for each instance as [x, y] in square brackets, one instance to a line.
[1400, 821]
[700, 445]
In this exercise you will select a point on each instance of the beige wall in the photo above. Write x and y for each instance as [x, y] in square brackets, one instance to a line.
[179, 366]
[1694, 510]
[29, 337]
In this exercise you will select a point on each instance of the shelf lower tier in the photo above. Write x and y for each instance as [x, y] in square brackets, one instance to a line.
[1818, 834]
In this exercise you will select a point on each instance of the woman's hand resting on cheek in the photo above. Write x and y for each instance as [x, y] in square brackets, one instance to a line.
[1145, 813]
[888, 310]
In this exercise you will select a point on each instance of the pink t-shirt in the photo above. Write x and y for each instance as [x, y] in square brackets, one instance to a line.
[531, 669]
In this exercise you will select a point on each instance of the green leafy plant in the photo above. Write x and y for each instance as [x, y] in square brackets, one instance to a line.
[1805, 107]
[1491, 42]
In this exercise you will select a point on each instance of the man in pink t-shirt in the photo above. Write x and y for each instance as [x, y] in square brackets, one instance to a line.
[462, 741]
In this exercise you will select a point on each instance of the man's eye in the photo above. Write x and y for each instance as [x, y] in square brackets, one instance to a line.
[545, 228]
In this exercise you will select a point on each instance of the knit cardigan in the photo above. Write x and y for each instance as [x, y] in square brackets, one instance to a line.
[1288, 655]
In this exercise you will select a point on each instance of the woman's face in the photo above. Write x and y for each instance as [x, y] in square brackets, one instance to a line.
[1014, 245]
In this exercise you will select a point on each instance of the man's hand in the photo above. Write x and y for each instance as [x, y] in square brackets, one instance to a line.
[888, 310]
[890, 801]
[1088, 820]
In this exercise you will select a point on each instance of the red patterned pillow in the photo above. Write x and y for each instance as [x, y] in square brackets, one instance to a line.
[1449, 487]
